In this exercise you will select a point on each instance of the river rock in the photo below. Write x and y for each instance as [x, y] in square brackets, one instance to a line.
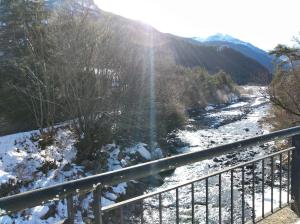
[50, 212]
[135, 188]
[227, 163]
[139, 153]
[230, 156]
[263, 146]
[154, 180]
[218, 159]
[167, 172]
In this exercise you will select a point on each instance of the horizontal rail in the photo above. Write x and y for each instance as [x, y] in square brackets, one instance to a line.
[139, 198]
[36, 197]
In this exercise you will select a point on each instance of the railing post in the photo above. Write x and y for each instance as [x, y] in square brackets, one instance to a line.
[295, 175]
[70, 208]
[97, 204]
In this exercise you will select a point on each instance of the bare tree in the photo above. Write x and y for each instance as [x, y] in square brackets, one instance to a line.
[36, 78]
[284, 90]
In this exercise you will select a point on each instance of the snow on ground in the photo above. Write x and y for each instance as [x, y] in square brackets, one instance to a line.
[232, 98]
[209, 107]
[267, 201]
[141, 150]
[235, 105]
[258, 101]
[25, 166]
[247, 126]
[6, 177]
[253, 91]
[21, 157]
[225, 113]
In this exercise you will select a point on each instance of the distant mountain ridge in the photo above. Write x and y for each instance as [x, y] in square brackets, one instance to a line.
[243, 47]
[184, 51]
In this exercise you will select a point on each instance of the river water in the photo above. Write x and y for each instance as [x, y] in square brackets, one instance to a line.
[237, 121]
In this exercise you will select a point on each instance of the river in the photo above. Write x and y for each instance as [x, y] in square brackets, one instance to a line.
[229, 123]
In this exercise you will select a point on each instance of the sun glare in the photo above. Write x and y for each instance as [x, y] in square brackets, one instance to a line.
[254, 21]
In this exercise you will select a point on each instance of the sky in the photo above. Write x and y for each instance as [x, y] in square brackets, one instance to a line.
[264, 23]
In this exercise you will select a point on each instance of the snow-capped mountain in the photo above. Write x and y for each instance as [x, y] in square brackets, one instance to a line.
[220, 37]
[245, 48]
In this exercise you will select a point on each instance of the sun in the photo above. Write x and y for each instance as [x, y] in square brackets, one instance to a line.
[147, 11]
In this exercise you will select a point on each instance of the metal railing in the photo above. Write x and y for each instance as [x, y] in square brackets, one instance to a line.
[228, 211]
[219, 174]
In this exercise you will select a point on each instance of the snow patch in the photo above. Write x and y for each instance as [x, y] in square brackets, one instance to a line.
[226, 113]
[232, 98]
[40, 211]
[106, 202]
[157, 154]
[141, 149]
[209, 107]
[5, 177]
[6, 220]
[258, 101]
[120, 188]
[235, 105]
[113, 162]
[22, 160]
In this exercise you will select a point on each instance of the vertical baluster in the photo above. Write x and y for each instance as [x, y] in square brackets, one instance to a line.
[295, 174]
[70, 208]
[193, 203]
[253, 192]
[280, 179]
[243, 195]
[206, 199]
[288, 176]
[220, 199]
[142, 212]
[272, 182]
[263, 188]
[231, 196]
[177, 206]
[121, 215]
[97, 204]
[160, 208]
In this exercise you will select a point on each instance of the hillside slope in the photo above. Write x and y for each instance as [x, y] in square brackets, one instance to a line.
[182, 51]
[242, 69]
[245, 48]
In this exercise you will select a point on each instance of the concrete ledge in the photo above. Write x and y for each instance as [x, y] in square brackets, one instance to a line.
[283, 216]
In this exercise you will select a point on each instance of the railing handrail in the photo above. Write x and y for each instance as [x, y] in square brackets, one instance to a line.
[39, 196]
[182, 184]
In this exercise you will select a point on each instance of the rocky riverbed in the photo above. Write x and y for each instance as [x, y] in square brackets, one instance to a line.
[218, 126]
[26, 165]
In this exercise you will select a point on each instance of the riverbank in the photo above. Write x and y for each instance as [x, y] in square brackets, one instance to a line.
[25, 165]
[227, 124]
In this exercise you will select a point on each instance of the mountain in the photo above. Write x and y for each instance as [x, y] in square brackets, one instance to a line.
[242, 69]
[181, 50]
[243, 47]
[189, 53]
